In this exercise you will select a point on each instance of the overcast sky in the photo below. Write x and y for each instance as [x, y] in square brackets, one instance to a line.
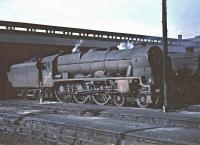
[127, 16]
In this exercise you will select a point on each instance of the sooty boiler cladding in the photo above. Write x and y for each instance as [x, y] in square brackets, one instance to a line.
[117, 76]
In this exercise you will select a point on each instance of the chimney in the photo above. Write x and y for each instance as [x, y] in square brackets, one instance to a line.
[180, 37]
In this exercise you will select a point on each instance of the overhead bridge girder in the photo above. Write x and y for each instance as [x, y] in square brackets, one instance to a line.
[27, 38]
[74, 33]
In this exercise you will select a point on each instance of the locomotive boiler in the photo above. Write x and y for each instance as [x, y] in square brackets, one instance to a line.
[99, 76]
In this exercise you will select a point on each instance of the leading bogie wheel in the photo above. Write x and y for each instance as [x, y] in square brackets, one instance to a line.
[142, 101]
[119, 100]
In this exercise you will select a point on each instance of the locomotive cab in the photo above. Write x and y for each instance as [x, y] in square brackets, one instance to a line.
[49, 70]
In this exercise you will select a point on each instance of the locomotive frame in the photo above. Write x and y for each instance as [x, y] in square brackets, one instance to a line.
[102, 77]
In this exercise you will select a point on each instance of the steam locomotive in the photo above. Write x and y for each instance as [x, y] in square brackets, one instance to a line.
[103, 76]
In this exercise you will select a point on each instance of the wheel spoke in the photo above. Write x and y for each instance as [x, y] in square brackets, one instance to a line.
[62, 97]
[119, 100]
[81, 99]
[101, 99]
[61, 94]
[142, 100]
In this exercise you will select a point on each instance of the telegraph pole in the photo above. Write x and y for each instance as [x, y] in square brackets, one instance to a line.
[165, 55]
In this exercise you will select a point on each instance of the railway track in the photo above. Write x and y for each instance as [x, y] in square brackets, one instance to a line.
[150, 116]
[82, 124]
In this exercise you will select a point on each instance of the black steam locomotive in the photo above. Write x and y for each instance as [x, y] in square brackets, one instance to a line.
[103, 76]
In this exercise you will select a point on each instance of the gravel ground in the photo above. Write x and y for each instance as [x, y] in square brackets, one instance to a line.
[18, 139]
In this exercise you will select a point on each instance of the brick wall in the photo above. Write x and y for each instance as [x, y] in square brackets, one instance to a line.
[16, 53]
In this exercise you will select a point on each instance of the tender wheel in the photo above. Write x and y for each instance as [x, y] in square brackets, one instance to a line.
[101, 99]
[81, 99]
[40, 95]
[61, 94]
[48, 95]
[119, 100]
[142, 101]
[20, 93]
